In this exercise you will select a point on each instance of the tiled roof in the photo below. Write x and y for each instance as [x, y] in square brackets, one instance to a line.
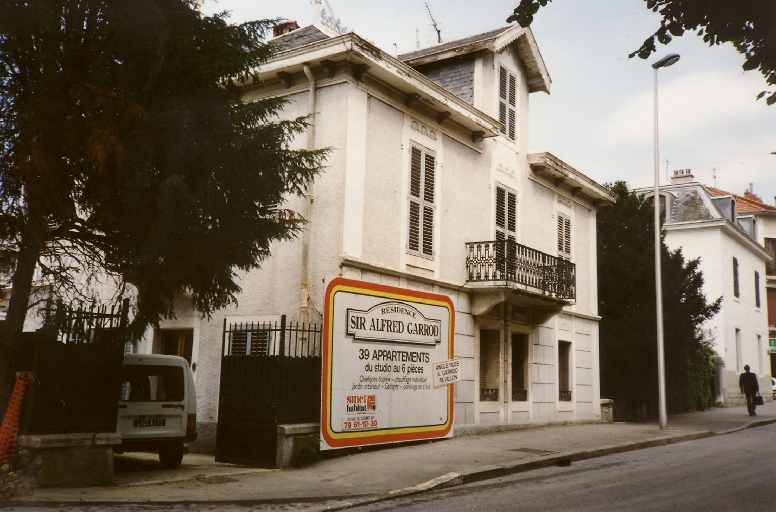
[746, 203]
[299, 37]
[492, 34]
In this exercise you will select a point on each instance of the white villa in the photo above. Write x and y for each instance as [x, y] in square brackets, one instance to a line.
[710, 224]
[432, 185]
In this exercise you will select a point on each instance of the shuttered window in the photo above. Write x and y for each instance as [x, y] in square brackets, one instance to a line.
[421, 215]
[736, 288]
[564, 236]
[506, 213]
[507, 109]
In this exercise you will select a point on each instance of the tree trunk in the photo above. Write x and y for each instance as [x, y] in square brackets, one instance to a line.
[21, 289]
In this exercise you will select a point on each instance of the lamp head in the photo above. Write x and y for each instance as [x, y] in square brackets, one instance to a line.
[668, 60]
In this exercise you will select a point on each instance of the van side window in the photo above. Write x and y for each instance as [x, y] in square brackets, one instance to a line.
[148, 383]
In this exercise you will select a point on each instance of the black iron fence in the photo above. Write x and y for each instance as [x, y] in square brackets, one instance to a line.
[76, 358]
[270, 375]
[292, 339]
[506, 260]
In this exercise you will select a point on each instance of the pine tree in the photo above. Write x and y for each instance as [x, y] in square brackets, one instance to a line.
[125, 150]
[626, 290]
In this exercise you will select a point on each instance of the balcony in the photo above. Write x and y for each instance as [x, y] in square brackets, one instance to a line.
[507, 262]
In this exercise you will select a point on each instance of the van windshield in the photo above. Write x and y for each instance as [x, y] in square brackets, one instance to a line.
[147, 383]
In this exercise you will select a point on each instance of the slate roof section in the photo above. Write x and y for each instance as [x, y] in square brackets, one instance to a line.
[491, 34]
[688, 205]
[299, 37]
[746, 203]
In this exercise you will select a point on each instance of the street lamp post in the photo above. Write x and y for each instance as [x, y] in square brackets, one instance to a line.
[666, 61]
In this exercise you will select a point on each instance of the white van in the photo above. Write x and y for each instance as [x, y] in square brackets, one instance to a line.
[158, 406]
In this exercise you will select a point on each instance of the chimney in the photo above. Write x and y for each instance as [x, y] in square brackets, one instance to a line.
[317, 18]
[284, 28]
[681, 176]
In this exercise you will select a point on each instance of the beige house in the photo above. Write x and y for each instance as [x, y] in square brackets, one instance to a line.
[432, 185]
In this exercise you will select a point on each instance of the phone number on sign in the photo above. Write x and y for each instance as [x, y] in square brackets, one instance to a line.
[358, 424]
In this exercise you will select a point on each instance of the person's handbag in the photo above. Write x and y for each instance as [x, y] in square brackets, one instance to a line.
[758, 400]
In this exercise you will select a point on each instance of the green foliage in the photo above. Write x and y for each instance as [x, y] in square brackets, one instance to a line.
[626, 290]
[749, 25]
[125, 147]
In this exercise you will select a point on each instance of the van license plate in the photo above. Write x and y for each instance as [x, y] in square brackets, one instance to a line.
[149, 423]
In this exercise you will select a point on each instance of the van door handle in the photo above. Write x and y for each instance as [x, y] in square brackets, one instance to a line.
[173, 406]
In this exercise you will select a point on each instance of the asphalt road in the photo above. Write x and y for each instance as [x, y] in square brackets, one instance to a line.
[729, 472]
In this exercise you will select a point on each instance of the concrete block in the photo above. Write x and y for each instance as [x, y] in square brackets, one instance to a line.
[389, 280]
[583, 342]
[107, 439]
[464, 391]
[464, 345]
[583, 326]
[564, 323]
[464, 324]
[607, 410]
[293, 440]
[67, 460]
[464, 303]
[371, 277]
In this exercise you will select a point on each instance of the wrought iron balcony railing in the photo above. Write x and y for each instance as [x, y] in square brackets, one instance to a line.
[488, 395]
[506, 260]
[564, 396]
[519, 395]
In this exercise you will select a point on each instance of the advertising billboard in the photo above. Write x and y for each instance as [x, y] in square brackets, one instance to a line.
[380, 345]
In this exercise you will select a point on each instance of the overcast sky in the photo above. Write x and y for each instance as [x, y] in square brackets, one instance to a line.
[598, 117]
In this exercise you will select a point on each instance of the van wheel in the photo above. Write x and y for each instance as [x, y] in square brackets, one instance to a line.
[171, 455]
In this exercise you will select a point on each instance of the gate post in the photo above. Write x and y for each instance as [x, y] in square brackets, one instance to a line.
[283, 335]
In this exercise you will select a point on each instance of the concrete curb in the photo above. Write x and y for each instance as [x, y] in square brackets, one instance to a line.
[453, 479]
[510, 468]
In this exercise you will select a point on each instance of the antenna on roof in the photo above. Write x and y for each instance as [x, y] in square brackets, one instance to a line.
[417, 39]
[714, 175]
[434, 23]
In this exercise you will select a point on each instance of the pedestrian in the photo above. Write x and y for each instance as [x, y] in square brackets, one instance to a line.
[749, 386]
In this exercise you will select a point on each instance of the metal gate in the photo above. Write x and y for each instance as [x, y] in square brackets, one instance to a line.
[270, 375]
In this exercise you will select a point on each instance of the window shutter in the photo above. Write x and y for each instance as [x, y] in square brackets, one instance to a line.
[736, 290]
[502, 94]
[421, 213]
[506, 214]
[507, 107]
[564, 237]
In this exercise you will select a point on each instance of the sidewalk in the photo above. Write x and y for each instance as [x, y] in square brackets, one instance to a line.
[379, 473]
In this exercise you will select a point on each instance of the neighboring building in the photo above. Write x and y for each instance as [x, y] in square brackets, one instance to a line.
[430, 173]
[759, 219]
[709, 224]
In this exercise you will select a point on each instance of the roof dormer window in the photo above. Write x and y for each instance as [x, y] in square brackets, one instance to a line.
[507, 92]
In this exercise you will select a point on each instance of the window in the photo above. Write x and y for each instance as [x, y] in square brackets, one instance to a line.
[421, 222]
[564, 371]
[254, 342]
[519, 363]
[736, 289]
[756, 288]
[507, 93]
[146, 383]
[770, 247]
[489, 365]
[506, 213]
[564, 237]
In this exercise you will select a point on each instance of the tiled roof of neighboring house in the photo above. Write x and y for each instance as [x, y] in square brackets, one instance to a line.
[299, 37]
[491, 34]
[749, 202]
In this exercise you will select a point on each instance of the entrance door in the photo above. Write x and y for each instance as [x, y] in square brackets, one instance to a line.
[178, 343]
